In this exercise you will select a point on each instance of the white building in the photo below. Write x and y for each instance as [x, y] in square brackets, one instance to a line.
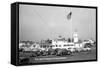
[35, 47]
[61, 43]
[21, 44]
[64, 44]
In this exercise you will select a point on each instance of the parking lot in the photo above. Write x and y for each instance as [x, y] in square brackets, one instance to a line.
[89, 55]
[75, 57]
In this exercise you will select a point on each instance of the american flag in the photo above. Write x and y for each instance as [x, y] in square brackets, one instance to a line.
[69, 15]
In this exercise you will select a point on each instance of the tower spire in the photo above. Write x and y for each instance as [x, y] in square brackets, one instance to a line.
[75, 36]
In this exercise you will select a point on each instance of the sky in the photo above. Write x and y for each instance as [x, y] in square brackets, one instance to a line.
[42, 22]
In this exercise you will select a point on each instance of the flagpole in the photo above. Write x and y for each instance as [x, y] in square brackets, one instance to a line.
[71, 30]
[70, 21]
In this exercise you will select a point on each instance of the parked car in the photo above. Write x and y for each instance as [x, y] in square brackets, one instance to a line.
[87, 49]
[62, 52]
[52, 52]
[71, 49]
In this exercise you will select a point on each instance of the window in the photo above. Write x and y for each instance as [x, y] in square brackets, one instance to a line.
[59, 45]
[53, 45]
[56, 45]
[65, 45]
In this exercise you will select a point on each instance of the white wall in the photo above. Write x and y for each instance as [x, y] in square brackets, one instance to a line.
[5, 34]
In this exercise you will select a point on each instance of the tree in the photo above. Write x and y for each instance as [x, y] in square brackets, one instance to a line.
[48, 41]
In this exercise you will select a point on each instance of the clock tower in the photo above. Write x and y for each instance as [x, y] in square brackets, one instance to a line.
[75, 37]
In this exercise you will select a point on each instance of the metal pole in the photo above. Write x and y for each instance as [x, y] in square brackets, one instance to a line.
[70, 21]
